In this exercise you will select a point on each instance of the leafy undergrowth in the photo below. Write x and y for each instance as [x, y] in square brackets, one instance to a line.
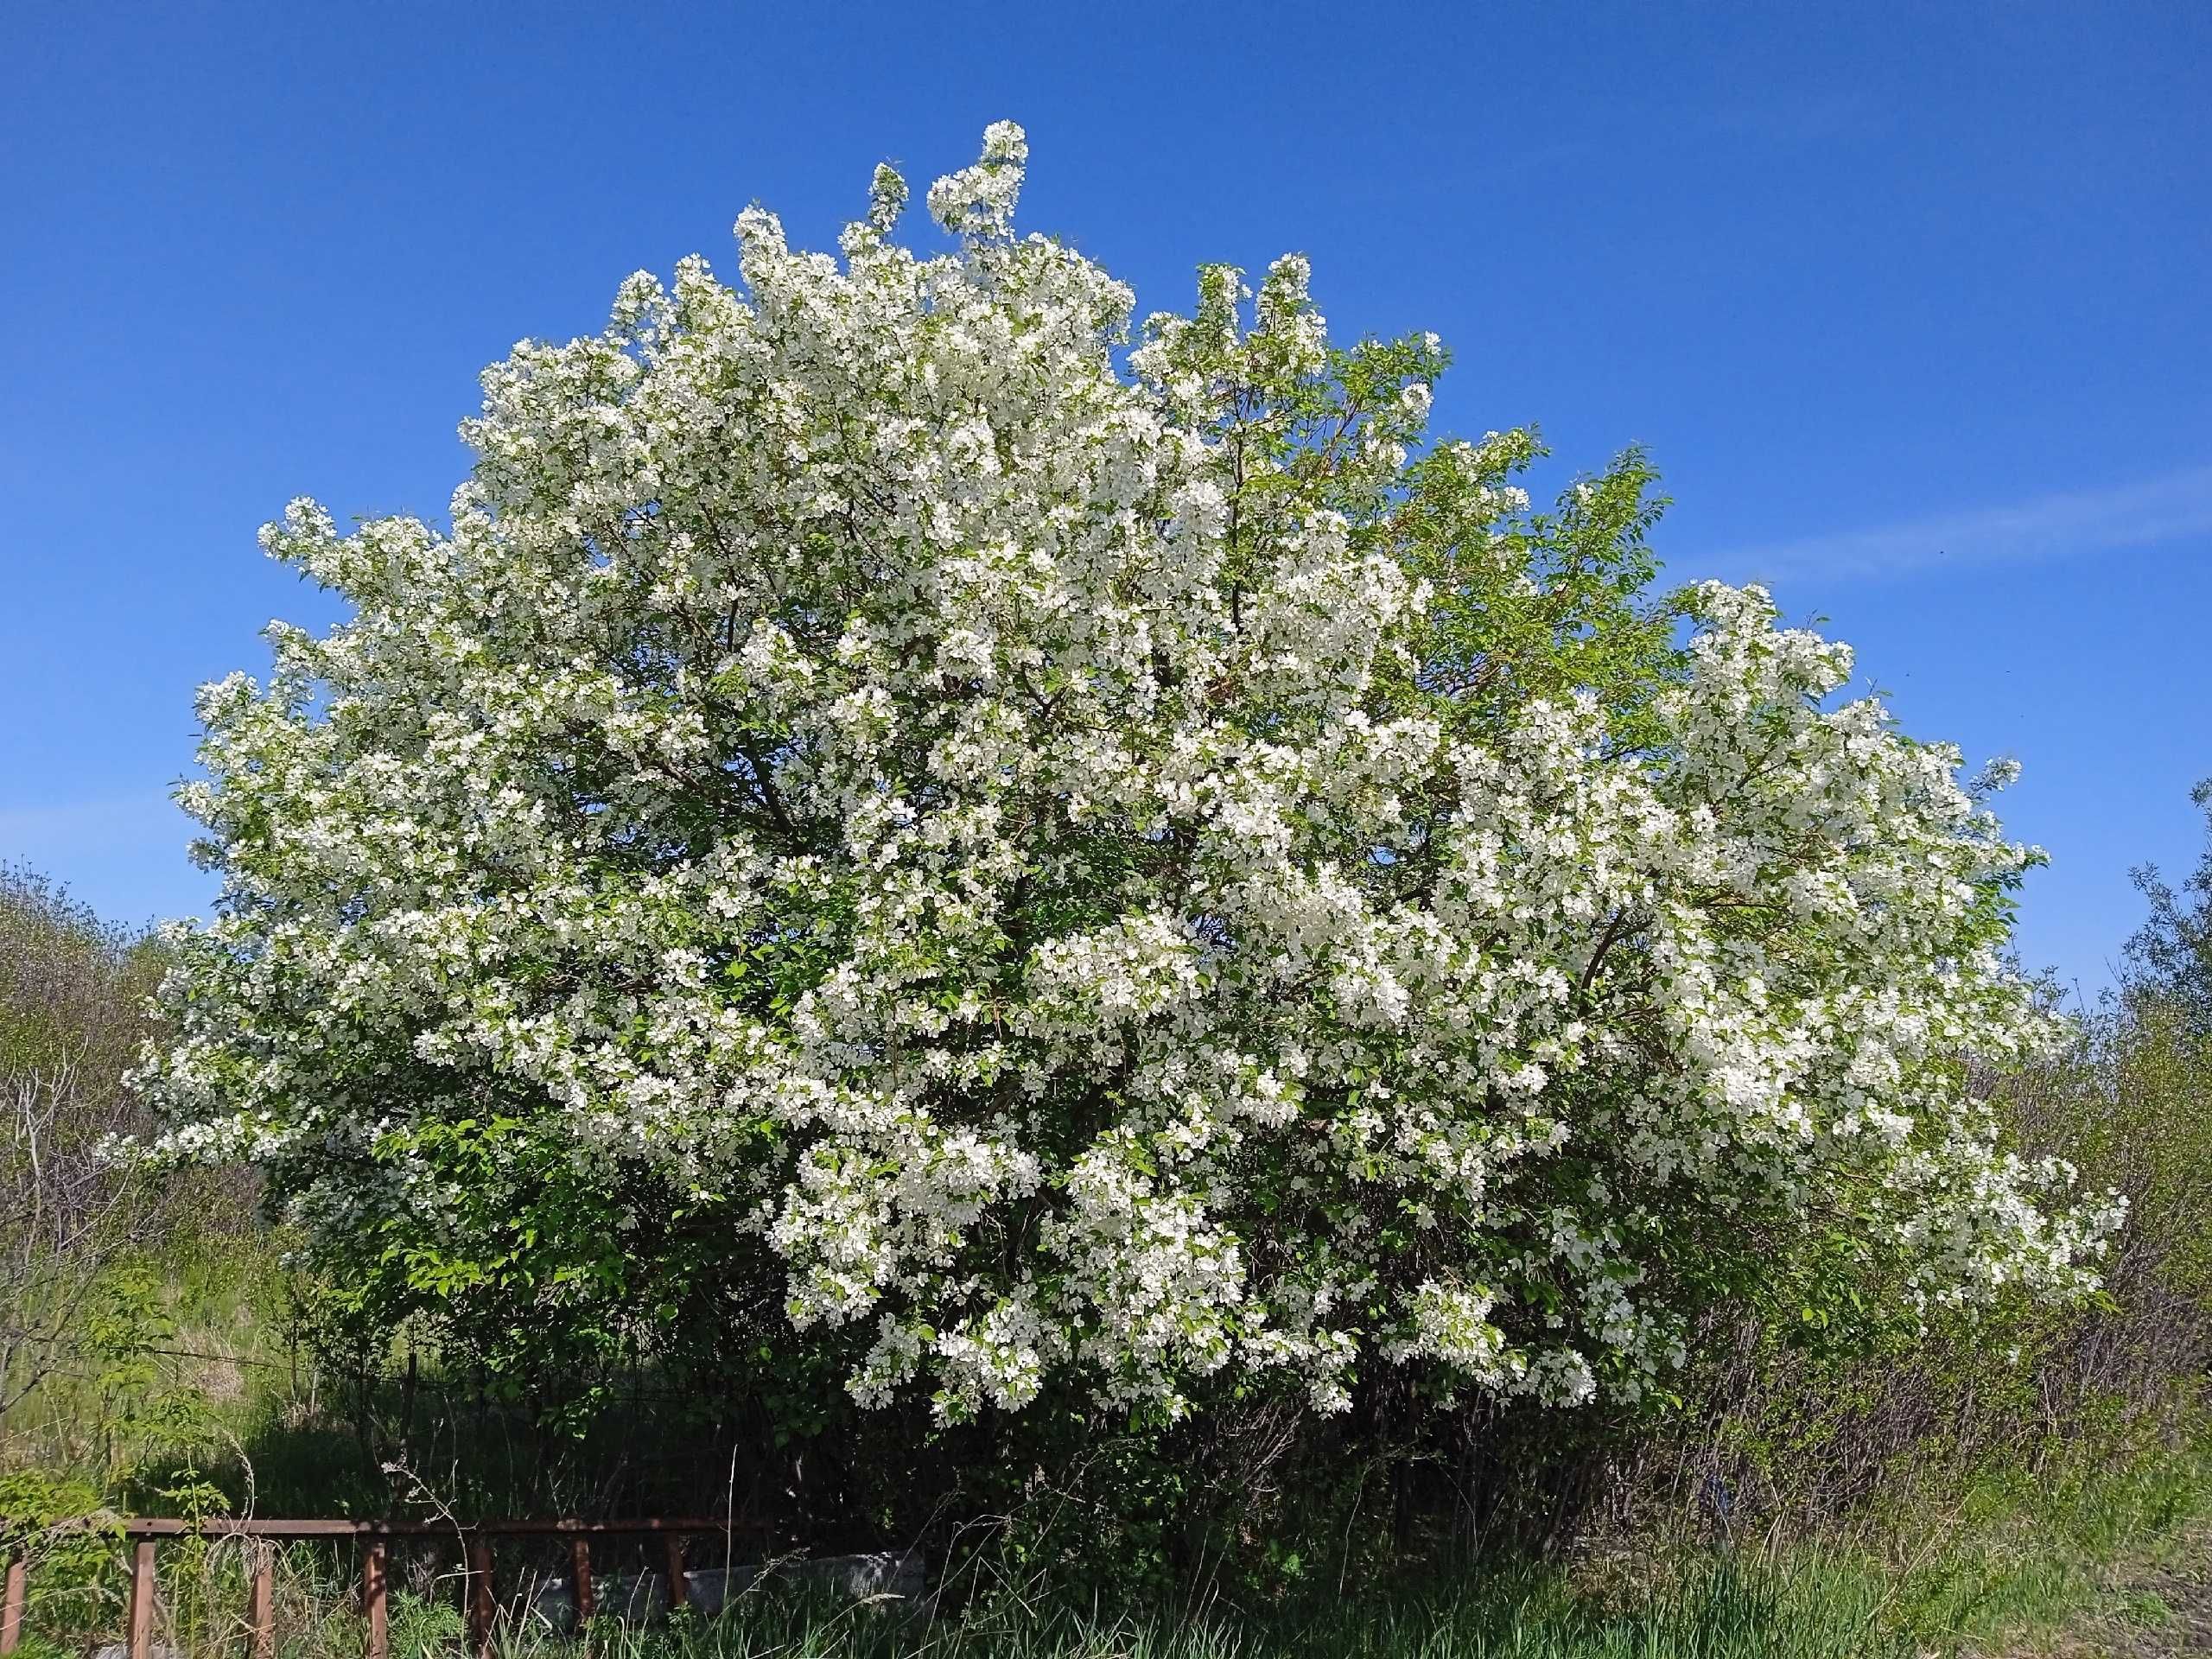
[2110, 1561]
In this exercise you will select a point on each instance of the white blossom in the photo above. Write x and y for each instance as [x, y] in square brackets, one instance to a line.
[996, 834]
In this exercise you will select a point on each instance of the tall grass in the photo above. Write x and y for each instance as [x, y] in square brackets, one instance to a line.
[2091, 1556]
[1721, 1608]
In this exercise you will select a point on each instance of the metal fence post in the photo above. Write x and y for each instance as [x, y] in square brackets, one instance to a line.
[372, 1596]
[580, 1579]
[678, 1591]
[483, 1605]
[261, 1598]
[11, 1610]
[139, 1637]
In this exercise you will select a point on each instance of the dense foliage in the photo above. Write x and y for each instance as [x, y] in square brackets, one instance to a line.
[72, 996]
[891, 844]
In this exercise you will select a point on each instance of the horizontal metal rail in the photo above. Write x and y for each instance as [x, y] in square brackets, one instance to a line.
[225, 1526]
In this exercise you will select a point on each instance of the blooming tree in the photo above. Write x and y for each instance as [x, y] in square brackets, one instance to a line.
[1044, 869]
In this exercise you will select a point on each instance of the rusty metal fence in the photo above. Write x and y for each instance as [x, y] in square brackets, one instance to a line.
[480, 1596]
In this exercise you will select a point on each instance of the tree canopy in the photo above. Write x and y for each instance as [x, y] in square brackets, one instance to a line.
[909, 829]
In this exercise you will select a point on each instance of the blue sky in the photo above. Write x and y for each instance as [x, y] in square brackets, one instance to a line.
[1909, 303]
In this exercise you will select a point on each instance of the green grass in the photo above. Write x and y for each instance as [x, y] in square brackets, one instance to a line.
[2053, 1543]
[1716, 1612]
[2085, 1558]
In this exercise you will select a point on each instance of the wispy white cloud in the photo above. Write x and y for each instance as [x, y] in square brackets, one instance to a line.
[2070, 524]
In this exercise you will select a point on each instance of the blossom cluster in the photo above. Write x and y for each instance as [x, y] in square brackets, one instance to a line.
[1048, 847]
